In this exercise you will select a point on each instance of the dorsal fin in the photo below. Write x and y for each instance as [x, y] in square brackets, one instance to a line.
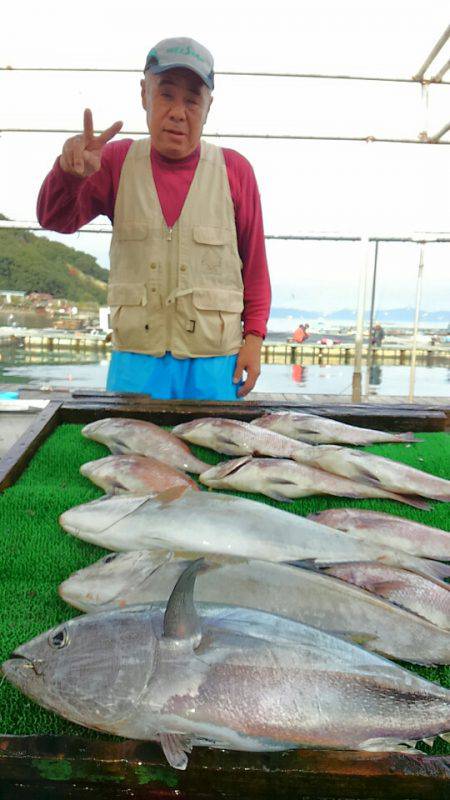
[181, 622]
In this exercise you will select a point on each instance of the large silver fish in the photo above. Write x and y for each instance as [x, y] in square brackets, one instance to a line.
[424, 596]
[284, 479]
[136, 436]
[148, 576]
[130, 473]
[224, 677]
[210, 522]
[240, 438]
[381, 528]
[315, 429]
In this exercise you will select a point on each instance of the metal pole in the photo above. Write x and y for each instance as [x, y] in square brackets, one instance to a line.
[412, 374]
[439, 75]
[437, 47]
[359, 333]
[372, 311]
[424, 95]
[265, 136]
[437, 136]
[305, 75]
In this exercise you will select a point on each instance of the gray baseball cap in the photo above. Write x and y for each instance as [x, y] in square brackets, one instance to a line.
[181, 52]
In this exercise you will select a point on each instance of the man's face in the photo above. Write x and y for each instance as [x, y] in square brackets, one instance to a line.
[177, 104]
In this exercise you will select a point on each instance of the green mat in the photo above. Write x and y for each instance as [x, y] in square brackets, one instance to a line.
[36, 555]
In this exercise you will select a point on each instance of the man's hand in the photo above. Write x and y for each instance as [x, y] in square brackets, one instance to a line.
[81, 155]
[249, 358]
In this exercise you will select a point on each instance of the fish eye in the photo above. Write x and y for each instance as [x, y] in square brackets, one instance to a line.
[108, 559]
[59, 639]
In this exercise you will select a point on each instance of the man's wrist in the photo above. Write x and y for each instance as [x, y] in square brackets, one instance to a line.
[253, 338]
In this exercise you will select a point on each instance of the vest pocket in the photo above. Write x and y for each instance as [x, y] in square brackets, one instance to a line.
[217, 320]
[206, 234]
[132, 313]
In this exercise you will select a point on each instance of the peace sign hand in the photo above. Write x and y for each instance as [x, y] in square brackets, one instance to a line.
[81, 154]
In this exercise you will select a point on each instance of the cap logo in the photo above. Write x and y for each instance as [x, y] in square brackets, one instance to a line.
[185, 51]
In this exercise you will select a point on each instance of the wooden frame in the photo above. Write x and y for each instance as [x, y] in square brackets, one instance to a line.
[59, 766]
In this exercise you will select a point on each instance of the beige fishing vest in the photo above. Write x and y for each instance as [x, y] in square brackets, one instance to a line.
[179, 289]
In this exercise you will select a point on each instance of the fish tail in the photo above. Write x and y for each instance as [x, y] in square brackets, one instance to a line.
[405, 437]
[434, 569]
[409, 500]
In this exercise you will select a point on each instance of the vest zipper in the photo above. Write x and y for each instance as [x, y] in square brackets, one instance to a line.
[169, 234]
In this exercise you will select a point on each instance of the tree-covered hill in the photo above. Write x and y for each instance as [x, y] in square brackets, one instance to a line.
[32, 263]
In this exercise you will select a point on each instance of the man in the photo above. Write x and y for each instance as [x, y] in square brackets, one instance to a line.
[300, 334]
[188, 257]
[378, 335]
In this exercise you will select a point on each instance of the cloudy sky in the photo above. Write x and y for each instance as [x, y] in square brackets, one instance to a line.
[350, 188]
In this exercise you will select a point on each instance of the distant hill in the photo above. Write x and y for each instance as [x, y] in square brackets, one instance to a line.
[32, 263]
[383, 315]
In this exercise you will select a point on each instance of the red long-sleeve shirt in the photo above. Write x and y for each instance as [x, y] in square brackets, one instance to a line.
[67, 202]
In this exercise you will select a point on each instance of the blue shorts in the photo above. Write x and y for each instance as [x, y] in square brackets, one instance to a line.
[166, 377]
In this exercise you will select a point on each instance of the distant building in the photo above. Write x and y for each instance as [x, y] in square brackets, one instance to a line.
[8, 294]
[39, 298]
[104, 318]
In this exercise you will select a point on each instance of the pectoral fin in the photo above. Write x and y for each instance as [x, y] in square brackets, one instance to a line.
[175, 748]
[229, 447]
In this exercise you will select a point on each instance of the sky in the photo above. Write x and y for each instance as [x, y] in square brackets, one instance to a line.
[350, 188]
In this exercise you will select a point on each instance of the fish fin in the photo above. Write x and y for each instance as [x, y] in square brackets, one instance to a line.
[429, 742]
[119, 448]
[387, 746]
[378, 587]
[175, 748]
[277, 496]
[181, 622]
[231, 448]
[169, 495]
[445, 736]
[306, 563]
[357, 637]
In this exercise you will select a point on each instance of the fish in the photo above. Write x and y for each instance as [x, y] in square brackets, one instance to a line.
[240, 438]
[316, 429]
[379, 471]
[211, 522]
[284, 480]
[236, 438]
[187, 675]
[380, 528]
[427, 598]
[143, 577]
[130, 473]
[138, 437]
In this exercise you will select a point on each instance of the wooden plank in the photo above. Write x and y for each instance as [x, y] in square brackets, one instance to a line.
[18, 456]
[130, 765]
[405, 417]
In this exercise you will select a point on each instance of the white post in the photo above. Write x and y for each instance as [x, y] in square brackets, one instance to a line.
[412, 374]
[359, 334]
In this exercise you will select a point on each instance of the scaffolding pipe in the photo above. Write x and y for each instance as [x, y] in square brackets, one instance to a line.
[436, 49]
[439, 75]
[268, 136]
[233, 73]
[412, 373]
[99, 227]
[359, 333]
[424, 98]
[434, 139]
